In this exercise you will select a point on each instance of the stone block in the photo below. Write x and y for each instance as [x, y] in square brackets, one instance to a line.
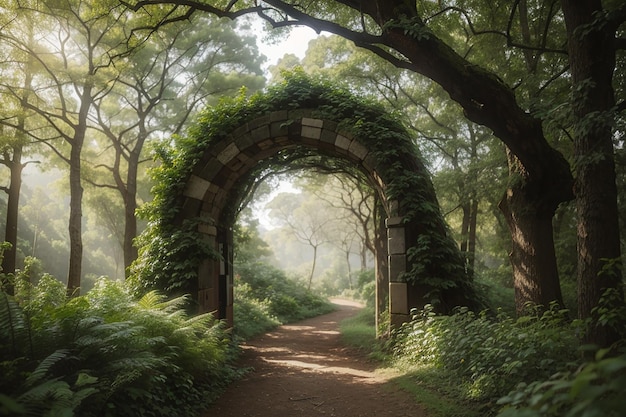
[258, 122]
[342, 142]
[241, 130]
[397, 267]
[260, 133]
[396, 241]
[394, 207]
[358, 150]
[207, 229]
[211, 169]
[397, 320]
[196, 187]
[312, 122]
[328, 136]
[280, 128]
[398, 300]
[330, 125]
[191, 208]
[311, 132]
[279, 115]
[244, 141]
[397, 221]
[370, 162]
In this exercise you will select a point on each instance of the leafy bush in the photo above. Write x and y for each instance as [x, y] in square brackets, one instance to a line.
[251, 316]
[490, 355]
[107, 354]
[266, 297]
[596, 389]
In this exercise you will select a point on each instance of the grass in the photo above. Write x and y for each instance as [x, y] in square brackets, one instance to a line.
[359, 331]
[437, 392]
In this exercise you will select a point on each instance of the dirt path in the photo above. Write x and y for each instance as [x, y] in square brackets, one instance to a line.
[302, 370]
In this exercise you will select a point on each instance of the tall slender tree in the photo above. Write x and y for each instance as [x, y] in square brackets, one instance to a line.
[75, 55]
[175, 72]
[13, 123]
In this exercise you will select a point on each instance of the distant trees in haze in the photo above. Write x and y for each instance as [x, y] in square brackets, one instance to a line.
[88, 88]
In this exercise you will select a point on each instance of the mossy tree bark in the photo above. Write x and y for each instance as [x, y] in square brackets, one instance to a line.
[592, 63]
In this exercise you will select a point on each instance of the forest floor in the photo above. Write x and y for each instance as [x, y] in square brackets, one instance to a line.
[303, 370]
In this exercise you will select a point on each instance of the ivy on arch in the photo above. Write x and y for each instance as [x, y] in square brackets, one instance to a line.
[170, 250]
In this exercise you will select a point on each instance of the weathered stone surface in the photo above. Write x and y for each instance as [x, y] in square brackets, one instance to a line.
[312, 122]
[397, 266]
[358, 150]
[211, 169]
[228, 153]
[396, 241]
[244, 140]
[207, 229]
[259, 121]
[342, 142]
[394, 221]
[196, 187]
[398, 298]
[260, 133]
[311, 132]
[370, 162]
[281, 115]
[191, 207]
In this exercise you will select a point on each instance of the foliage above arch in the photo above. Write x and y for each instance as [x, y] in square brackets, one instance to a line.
[436, 261]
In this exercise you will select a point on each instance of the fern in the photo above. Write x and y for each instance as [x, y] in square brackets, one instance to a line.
[13, 326]
[151, 300]
[53, 398]
[45, 367]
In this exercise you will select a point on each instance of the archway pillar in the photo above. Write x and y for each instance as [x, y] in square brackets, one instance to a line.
[215, 277]
[397, 263]
[382, 277]
[208, 273]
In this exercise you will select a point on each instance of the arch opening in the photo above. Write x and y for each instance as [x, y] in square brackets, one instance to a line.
[417, 262]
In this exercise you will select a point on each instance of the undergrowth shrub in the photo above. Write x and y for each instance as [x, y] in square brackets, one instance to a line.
[596, 389]
[107, 354]
[251, 315]
[490, 355]
[266, 297]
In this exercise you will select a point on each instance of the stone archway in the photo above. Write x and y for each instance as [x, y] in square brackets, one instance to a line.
[420, 264]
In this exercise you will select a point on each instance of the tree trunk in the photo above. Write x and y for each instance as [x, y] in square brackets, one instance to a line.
[75, 223]
[76, 195]
[532, 256]
[349, 269]
[471, 239]
[130, 219]
[363, 255]
[129, 194]
[465, 208]
[542, 177]
[15, 166]
[13, 201]
[592, 62]
[313, 267]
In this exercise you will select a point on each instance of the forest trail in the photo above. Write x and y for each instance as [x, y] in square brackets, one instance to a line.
[303, 370]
